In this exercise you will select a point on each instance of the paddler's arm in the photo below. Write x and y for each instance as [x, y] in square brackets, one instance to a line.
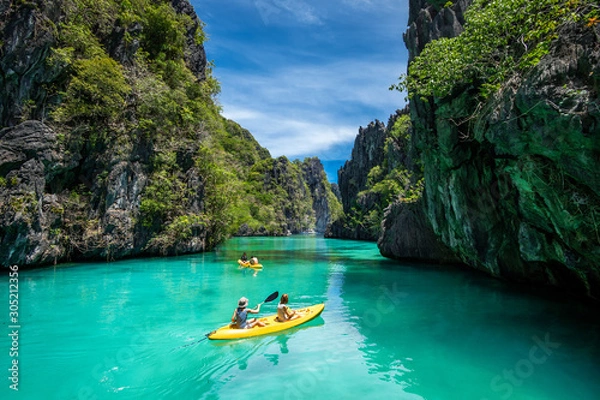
[290, 313]
[255, 310]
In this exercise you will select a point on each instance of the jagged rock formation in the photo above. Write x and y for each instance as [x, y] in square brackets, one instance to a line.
[300, 198]
[514, 190]
[401, 228]
[428, 21]
[195, 56]
[368, 152]
[324, 201]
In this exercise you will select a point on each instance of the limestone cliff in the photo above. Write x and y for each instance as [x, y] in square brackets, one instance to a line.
[295, 196]
[368, 152]
[381, 190]
[325, 204]
[512, 184]
[383, 170]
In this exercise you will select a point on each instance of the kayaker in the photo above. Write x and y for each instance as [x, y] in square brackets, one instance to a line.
[284, 313]
[240, 315]
[244, 257]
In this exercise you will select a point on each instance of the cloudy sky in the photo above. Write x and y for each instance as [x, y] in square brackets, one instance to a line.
[303, 75]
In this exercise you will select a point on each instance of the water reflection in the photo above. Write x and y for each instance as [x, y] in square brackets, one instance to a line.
[456, 332]
[250, 271]
[282, 341]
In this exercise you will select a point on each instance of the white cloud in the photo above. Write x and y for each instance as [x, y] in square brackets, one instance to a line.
[358, 3]
[306, 110]
[271, 11]
[375, 4]
[294, 138]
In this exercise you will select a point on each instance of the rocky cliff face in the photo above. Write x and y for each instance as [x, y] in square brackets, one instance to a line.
[407, 233]
[514, 190]
[431, 20]
[368, 152]
[324, 201]
[195, 56]
[24, 77]
[29, 158]
[296, 193]
[384, 156]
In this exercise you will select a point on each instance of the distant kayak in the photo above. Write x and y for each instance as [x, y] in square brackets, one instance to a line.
[247, 264]
[271, 325]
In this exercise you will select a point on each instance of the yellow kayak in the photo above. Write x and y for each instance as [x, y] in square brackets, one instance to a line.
[246, 264]
[271, 325]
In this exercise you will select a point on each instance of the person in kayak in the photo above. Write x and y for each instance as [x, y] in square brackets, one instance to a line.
[284, 313]
[240, 315]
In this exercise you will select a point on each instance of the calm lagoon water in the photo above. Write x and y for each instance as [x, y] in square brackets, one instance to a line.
[132, 330]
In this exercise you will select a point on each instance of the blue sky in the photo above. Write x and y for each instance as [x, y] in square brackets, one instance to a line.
[303, 75]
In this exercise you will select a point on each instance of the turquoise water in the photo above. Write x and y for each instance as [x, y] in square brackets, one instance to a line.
[132, 330]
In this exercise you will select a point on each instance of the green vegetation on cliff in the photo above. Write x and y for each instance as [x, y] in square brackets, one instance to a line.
[501, 38]
[277, 198]
[387, 181]
[154, 100]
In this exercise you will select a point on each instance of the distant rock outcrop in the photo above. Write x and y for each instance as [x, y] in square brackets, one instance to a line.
[324, 201]
[352, 179]
[401, 230]
[303, 200]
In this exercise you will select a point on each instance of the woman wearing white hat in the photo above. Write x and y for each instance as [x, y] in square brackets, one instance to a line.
[240, 315]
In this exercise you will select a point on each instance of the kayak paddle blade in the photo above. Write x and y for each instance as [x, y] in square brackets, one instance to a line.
[271, 297]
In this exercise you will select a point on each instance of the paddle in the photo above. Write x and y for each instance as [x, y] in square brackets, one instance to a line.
[271, 297]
